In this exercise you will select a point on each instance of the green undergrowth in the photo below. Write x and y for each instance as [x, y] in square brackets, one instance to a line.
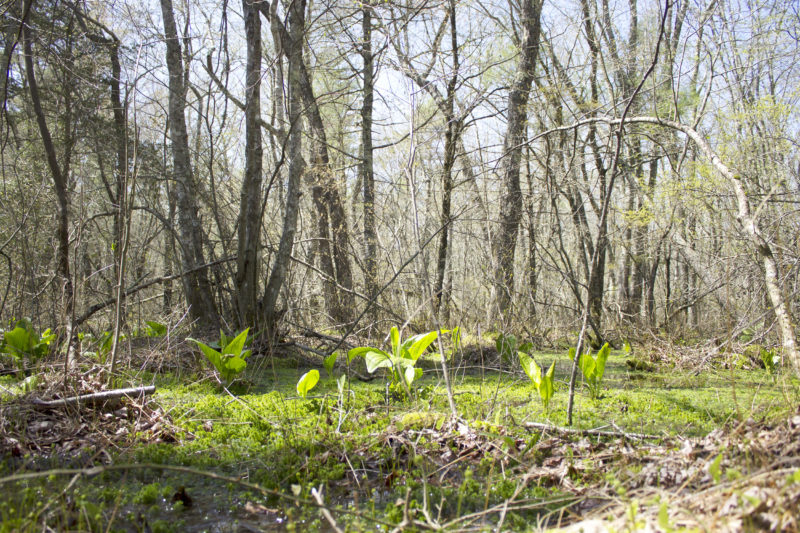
[380, 457]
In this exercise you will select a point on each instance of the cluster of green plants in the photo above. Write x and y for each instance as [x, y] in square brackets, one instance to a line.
[153, 329]
[401, 361]
[23, 345]
[228, 355]
[592, 368]
[543, 381]
[509, 349]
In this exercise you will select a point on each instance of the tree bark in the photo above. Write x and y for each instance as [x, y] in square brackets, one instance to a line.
[293, 48]
[196, 286]
[250, 213]
[511, 201]
[367, 162]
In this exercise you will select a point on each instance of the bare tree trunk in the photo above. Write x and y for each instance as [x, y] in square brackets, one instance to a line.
[196, 286]
[293, 48]
[452, 135]
[62, 200]
[367, 170]
[327, 197]
[511, 202]
[250, 212]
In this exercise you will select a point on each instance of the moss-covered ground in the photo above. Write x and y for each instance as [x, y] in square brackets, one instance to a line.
[258, 457]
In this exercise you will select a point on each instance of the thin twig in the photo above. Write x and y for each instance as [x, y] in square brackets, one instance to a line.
[599, 432]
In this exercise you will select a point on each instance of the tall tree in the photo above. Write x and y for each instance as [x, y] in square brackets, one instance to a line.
[250, 211]
[367, 156]
[517, 117]
[329, 210]
[197, 289]
[293, 41]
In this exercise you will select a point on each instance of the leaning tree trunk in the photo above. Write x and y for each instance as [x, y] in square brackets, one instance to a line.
[511, 202]
[196, 286]
[325, 191]
[250, 203]
[749, 225]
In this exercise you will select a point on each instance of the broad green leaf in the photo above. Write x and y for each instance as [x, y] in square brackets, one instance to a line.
[19, 339]
[47, 337]
[546, 387]
[156, 329]
[329, 362]
[340, 383]
[525, 347]
[245, 354]
[551, 371]
[417, 344]
[530, 367]
[235, 364]
[377, 359]
[108, 342]
[587, 365]
[358, 352]
[224, 340]
[455, 337]
[394, 335]
[571, 354]
[307, 382]
[211, 354]
[409, 375]
[404, 362]
[235, 346]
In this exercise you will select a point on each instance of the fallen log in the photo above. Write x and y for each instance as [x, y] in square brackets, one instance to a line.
[96, 397]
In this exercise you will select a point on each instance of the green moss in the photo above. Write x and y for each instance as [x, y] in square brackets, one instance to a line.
[366, 453]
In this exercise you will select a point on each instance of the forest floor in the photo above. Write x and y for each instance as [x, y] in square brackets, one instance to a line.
[668, 448]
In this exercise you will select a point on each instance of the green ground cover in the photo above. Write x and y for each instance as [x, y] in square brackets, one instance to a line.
[254, 457]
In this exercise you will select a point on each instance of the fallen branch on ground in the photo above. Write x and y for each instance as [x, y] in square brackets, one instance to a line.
[95, 397]
[599, 432]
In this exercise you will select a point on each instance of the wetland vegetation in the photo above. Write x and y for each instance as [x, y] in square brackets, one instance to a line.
[207, 455]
